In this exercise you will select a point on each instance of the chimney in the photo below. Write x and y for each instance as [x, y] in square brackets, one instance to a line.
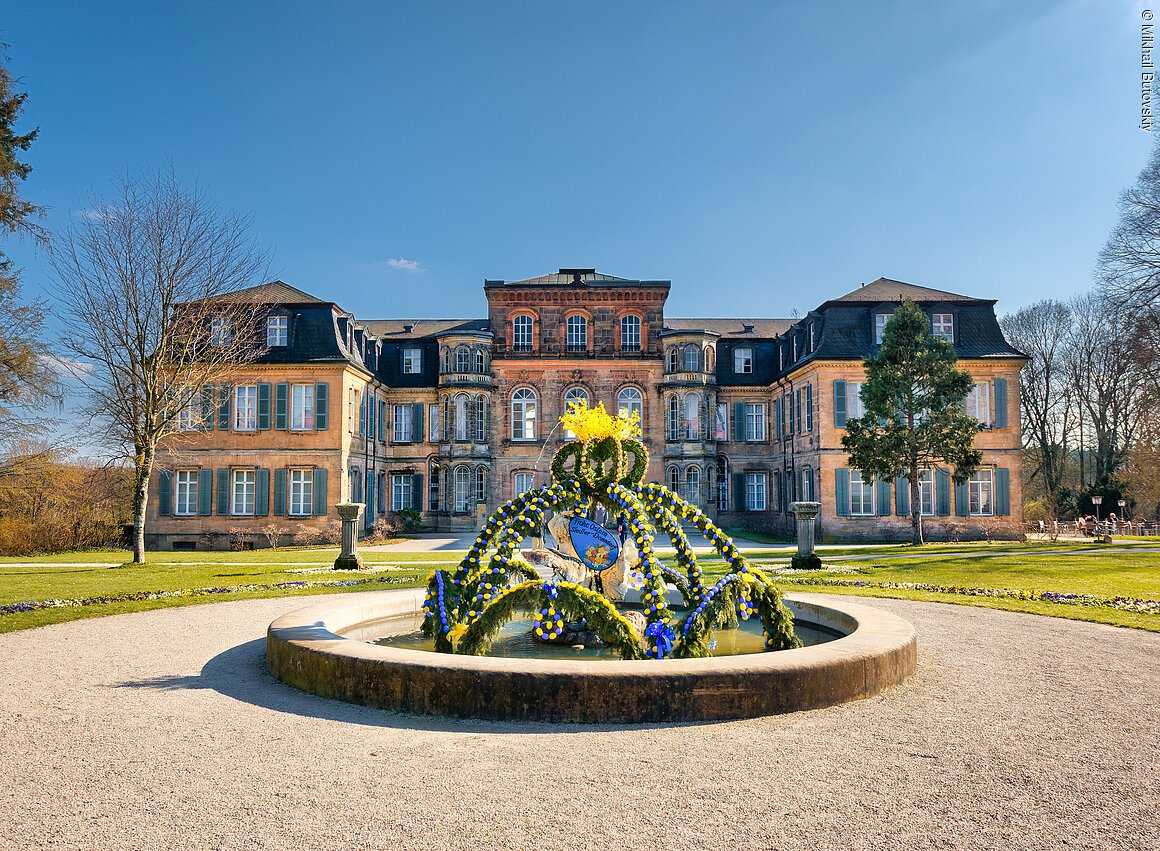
[408, 328]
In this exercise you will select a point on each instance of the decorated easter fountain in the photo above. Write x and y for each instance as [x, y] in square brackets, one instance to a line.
[670, 647]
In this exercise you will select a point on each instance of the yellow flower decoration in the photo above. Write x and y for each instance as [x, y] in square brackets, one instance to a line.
[455, 635]
[595, 423]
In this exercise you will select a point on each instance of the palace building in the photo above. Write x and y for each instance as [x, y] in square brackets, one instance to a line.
[453, 417]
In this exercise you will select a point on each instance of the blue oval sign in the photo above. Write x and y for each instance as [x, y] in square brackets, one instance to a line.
[594, 545]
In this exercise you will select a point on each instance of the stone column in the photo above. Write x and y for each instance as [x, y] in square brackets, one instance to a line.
[348, 513]
[806, 513]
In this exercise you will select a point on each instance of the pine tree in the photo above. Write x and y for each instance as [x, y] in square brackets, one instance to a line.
[915, 415]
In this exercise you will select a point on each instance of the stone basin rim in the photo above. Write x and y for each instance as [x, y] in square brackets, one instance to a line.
[310, 649]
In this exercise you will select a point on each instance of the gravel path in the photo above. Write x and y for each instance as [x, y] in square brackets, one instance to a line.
[162, 729]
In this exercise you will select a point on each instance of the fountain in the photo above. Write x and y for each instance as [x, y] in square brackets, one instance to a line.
[656, 642]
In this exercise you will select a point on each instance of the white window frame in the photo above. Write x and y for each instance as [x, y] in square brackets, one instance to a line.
[522, 482]
[401, 491]
[412, 360]
[401, 421]
[854, 406]
[524, 413]
[691, 359]
[300, 492]
[185, 492]
[981, 493]
[630, 399]
[462, 488]
[574, 395]
[462, 433]
[755, 491]
[576, 335]
[277, 330]
[880, 320]
[630, 326]
[243, 492]
[979, 402]
[246, 416]
[866, 507]
[302, 407]
[189, 415]
[691, 405]
[743, 360]
[693, 484]
[522, 332]
[942, 325]
[926, 503]
[220, 331]
[807, 494]
[754, 422]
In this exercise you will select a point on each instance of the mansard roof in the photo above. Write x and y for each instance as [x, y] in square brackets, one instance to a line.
[273, 292]
[886, 289]
[732, 328]
[417, 328]
[575, 277]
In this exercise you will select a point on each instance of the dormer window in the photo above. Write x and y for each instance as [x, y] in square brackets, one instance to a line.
[522, 334]
[743, 360]
[943, 325]
[813, 336]
[220, 332]
[412, 361]
[880, 320]
[795, 349]
[277, 330]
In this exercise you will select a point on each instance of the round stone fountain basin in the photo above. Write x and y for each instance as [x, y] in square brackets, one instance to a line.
[323, 650]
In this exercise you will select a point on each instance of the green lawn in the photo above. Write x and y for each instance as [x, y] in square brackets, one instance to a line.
[1124, 569]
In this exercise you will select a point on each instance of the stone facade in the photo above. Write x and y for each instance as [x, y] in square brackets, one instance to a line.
[453, 417]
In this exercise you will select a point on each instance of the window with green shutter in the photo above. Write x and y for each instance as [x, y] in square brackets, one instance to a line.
[321, 405]
[839, 403]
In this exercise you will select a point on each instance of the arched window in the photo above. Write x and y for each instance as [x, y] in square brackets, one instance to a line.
[674, 359]
[463, 359]
[462, 417]
[524, 414]
[522, 334]
[673, 428]
[692, 417]
[630, 333]
[480, 418]
[693, 484]
[710, 358]
[630, 399]
[692, 359]
[433, 486]
[577, 339]
[722, 483]
[481, 483]
[462, 488]
[674, 480]
[574, 396]
[480, 361]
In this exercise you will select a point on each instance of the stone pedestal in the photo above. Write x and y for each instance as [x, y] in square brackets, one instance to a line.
[806, 513]
[348, 513]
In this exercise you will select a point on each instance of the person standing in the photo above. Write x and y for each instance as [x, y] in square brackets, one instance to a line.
[622, 527]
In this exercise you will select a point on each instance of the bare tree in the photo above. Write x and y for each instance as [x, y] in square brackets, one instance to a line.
[144, 282]
[1129, 264]
[1106, 380]
[1041, 330]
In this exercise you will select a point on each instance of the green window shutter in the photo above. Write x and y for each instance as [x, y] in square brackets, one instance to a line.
[962, 499]
[797, 484]
[208, 408]
[1002, 491]
[842, 489]
[798, 410]
[840, 403]
[223, 407]
[740, 498]
[204, 491]
[942, 487]
[417, 422]
[383, 418]
[369, 510]
[165, 493]
[321, 405]
[320, 503]
[223, 492]
[417, 491]
[1000, 403]
[281, 405]
[882, 488]
[809, 407]
[739, 423]
[777, 424]
[263, 406]
[902, 496]
[280, 491]
[362, 414]
[262, 496]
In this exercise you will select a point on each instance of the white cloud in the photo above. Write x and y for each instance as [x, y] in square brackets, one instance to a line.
[405, 265]
[67, 367]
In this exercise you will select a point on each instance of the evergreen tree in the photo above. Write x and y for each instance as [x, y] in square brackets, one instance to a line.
[915, 416]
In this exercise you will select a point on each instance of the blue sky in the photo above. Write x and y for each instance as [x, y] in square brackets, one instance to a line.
[763, 156]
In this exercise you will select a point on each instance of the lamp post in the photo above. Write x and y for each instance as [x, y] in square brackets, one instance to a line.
[1096, 500]
[1122, 503]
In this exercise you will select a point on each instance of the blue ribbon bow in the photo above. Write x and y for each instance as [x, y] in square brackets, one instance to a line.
[663, 637]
